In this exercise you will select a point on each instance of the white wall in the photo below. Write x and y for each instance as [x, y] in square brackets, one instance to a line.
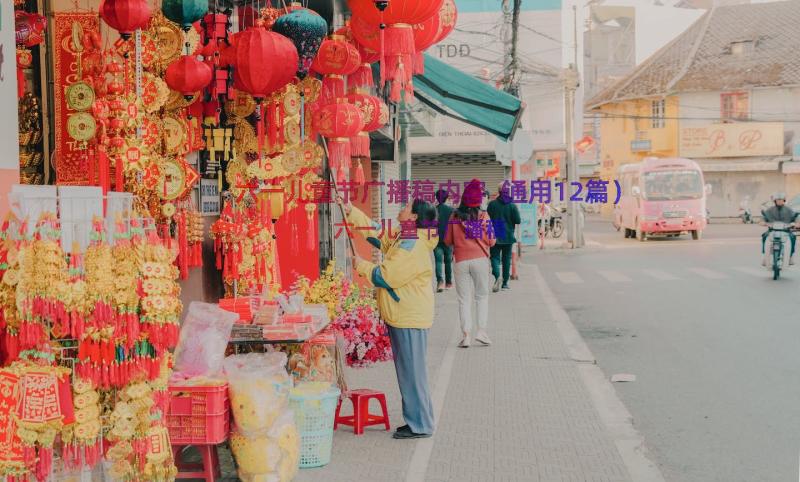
[477, 47]
[9, 135]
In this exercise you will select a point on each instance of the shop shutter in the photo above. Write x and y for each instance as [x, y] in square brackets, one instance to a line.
[491, 175]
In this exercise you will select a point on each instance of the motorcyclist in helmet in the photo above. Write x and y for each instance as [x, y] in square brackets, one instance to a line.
[780, 212]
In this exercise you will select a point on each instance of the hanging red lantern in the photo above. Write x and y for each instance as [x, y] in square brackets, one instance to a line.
[263, 61]
[338, 122]
[335, 59]
[375, 115]
[448, 16]
[396, 56]
[397, 11]
[395, 20]
[188, 75]
[362, 77]
[433, 31]
[126, 16]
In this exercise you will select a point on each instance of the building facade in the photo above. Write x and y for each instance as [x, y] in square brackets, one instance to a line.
[725, 93]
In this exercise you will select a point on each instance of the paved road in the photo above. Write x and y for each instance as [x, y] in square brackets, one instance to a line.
[712, 340]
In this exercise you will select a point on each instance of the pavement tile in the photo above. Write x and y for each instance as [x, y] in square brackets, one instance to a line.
[515, 411]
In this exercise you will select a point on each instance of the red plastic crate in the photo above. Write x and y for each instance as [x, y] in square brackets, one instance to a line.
[198, 415]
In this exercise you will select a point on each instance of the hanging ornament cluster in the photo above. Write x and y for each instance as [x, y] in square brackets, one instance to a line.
[119, 301]
[400, 32]
[245, 248]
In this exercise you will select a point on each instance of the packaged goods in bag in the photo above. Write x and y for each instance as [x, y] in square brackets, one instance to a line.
[204, 337]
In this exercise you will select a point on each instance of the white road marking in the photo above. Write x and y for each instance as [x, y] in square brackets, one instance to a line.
[568, 277]
[613, 413]
[707, 273]
[418, 466]
[752, 271]
[660, 275]
[613, 276]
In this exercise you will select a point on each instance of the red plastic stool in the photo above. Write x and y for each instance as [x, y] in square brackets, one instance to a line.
[207, 469]
[361, 417]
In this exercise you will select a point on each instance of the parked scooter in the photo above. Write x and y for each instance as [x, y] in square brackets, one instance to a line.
[777, 244]
[744, 211]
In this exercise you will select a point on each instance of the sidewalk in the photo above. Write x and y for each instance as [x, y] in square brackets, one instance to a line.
[532, 407]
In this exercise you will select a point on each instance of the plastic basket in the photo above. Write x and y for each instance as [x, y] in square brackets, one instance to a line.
[313, 415]
[198, 415]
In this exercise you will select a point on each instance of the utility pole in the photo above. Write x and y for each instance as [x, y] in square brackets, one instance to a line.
[571, 84]
[513, 87]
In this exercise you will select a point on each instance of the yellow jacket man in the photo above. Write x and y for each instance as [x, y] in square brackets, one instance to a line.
[404, 286]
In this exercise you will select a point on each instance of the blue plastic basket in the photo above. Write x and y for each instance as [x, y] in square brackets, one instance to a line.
[313, 415]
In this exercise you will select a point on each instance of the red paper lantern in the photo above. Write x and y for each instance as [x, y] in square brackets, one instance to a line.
[448, 16]
[335, 59]
[362, 77]
[338, 122]
[188, 75]
[126, 16]
[396, 57]
[375, 115]
[398, 11]
[263, 61]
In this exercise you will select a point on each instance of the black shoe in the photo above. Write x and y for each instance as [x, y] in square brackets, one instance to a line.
[405, 435]
[404, 428]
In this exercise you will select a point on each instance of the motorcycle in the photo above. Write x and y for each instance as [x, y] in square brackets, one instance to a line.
[556, 224]
[744, 209]
[776, 245]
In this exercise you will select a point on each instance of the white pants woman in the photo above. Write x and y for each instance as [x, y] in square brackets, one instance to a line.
[472, 288]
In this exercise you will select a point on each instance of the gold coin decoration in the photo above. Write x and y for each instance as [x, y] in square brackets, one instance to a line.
[151, 131]
[311, 88]
[174, 132]
[155, 92]
[292, 132]
[244, 137]
[291, 102]
[169, 40]
[312, 154]
[242, 106]
[236, 175]
[168, 210]
[293, 160]
[81, 126]
[177, 101]
[80, 96]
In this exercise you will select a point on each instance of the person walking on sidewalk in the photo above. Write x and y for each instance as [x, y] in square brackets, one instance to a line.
[443, 253]
[469, 236]
[403, 282]
[505, 218]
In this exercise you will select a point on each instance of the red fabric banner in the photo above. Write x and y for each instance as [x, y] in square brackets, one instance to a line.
[10, 444]
[71, 158]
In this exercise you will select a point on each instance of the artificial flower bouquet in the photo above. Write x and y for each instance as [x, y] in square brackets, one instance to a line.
[355, 316]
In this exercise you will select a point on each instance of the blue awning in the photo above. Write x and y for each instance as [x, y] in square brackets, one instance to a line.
[456, 94]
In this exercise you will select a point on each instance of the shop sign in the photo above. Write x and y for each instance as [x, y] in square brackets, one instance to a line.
[643, 145]
[744, 139]
[209, 197]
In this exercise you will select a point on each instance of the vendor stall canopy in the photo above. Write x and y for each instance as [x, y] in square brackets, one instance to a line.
[453, 93]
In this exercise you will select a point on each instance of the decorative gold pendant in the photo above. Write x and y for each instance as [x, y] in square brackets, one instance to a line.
[81, 126]
[80, 96]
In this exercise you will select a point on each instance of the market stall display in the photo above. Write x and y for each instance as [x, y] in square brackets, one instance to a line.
[185, 133]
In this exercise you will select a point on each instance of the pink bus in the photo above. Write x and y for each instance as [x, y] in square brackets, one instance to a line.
[661, 197]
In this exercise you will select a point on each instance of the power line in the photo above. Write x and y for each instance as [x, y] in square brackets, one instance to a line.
[611, 115]
[548, 37]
